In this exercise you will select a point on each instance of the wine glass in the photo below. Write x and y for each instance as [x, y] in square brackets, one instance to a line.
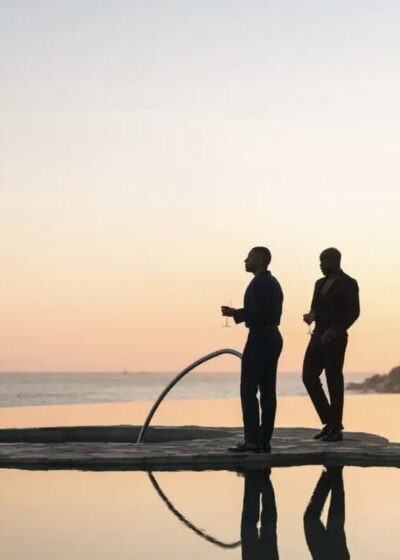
[226, 324]
[309, 332]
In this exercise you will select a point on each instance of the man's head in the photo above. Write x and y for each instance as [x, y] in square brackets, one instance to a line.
[330, 261]
[257, 259]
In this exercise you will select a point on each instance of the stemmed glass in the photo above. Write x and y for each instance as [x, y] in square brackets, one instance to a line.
[227, 325]
[309, 325]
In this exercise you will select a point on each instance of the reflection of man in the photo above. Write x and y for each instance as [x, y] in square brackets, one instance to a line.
[335, 307]
[328, 542]
[261, 313]
[259, 544]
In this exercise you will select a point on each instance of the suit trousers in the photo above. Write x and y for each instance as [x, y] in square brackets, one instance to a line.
[258, 373]
[327, 542]
[328, 356]
[259, 544]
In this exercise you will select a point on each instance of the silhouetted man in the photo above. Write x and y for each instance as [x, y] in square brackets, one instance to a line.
[328, 542]
[335, 307]
[259, 544]
[261, 313]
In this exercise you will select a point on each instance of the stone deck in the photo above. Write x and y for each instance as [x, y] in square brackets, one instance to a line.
[182, 448]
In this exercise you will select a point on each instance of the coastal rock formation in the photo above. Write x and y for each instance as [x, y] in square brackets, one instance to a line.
[389, 383]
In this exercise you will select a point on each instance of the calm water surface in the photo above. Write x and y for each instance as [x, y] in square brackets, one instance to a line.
[197, 515]
[212, 515]
[379, 414]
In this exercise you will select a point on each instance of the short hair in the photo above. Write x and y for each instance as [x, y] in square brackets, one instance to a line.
[332, 253]
[264, 253]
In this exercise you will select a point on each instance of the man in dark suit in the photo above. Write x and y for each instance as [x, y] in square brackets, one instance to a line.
[259, 544]
[335, 307]
[327, 542]
[261, 314]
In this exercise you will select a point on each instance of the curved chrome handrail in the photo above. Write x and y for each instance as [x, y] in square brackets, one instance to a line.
[185, 521]
[167, 389]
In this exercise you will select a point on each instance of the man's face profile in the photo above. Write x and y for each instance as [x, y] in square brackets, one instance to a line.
[325, 265]
[253, 261]
[329, 261]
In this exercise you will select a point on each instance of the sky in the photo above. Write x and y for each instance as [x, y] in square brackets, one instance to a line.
[145, 147]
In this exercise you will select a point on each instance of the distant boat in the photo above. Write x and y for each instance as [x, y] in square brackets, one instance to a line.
[126, 372]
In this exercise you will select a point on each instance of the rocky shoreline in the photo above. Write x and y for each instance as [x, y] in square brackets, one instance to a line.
[388, 383]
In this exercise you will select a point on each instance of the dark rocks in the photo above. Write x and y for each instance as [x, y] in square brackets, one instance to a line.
[389, 383]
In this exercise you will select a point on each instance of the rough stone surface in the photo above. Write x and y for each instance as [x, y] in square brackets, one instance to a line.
[183, 448]
[389, 383]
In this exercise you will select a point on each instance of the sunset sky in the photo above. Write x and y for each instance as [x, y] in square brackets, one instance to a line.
[147, 146]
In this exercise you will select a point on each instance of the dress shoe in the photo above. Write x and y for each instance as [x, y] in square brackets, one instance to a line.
[265, 448]
[326, 429]
[245, 447]
[333, 435]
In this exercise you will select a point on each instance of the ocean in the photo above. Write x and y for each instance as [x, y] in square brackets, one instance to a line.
[30, 389]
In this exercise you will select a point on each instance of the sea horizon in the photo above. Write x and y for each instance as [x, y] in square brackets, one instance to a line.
[53, 388]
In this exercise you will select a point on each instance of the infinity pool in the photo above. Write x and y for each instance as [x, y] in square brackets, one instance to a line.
[197, 515]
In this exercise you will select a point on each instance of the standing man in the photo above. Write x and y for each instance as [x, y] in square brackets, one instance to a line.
[261, 314]
[259, 544]
[335, 307]
[327, 542]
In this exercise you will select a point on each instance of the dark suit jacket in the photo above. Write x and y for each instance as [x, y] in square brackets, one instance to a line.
[262, 302]
[340, 306]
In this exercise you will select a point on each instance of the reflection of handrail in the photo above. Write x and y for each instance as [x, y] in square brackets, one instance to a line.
[198, 531]
[175, 381]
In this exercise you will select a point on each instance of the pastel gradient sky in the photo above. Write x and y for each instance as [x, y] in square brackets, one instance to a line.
[147, 146]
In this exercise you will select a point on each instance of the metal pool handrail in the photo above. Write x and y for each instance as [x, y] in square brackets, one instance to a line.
[167, 389]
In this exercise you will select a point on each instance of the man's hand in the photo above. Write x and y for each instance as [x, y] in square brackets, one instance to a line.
[227, 311]
[309, 317]
[329, 335]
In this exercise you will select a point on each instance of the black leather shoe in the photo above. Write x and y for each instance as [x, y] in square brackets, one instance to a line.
[245, 447]
[333, 435]
[323, 432]
[265, 448]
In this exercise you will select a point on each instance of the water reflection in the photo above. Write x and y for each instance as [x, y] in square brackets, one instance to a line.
[221, 516]
[259, 507]
[186, 521]
[258, 529]
[328, 541]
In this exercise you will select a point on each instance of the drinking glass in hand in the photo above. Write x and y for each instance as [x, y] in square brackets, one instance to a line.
[309, 319]
[226, 324]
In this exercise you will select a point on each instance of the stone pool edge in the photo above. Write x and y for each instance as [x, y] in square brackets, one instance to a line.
[184, 448]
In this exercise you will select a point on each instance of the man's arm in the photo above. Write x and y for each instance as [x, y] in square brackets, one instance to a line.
[350, 315]
[310, 316]
[314, 298]
[263, 305]
[238, 315]
[352, 307]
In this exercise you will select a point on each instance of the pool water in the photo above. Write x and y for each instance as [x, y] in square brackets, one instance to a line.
[297, 512]
[202, 515]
